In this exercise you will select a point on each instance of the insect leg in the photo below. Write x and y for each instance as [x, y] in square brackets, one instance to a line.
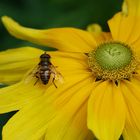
[54, 77]
[36, 74]
[37, 79]
[54, 82]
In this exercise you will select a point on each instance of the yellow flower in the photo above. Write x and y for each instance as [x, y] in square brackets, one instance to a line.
[100, 95]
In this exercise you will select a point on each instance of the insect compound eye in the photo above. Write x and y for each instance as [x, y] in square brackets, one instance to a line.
[48, 56]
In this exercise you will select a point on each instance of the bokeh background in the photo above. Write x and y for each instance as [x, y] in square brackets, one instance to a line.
[53, 13]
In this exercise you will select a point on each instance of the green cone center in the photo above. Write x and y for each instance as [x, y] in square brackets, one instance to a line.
[112, 56]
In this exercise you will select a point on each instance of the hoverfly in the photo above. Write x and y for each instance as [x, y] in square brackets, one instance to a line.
[45, 69]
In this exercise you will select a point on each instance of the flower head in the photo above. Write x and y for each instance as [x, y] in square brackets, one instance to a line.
[100, 96]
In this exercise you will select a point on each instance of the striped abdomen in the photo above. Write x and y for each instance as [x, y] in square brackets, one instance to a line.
[45, 74]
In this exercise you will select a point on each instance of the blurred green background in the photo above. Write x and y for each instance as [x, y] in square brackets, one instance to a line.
[53, 13]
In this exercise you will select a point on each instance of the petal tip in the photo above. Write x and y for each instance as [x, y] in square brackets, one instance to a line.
[5, 19]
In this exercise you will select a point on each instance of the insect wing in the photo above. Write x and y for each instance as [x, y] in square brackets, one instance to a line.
[56, 74]
[32, 74]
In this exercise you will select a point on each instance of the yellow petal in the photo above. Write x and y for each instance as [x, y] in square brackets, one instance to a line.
[133, 7]
[70, 122]
[124, 25]
[103, 37]
[98, 34]
[31, 122]
[125, 8]
[70, 63]
[67, 64]
[106, 112]
[131, 93]
[16, 96]
[14, 63]
[71, 66]
[65, 39]
[28, 123]
[70, 127]
[121, 27]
